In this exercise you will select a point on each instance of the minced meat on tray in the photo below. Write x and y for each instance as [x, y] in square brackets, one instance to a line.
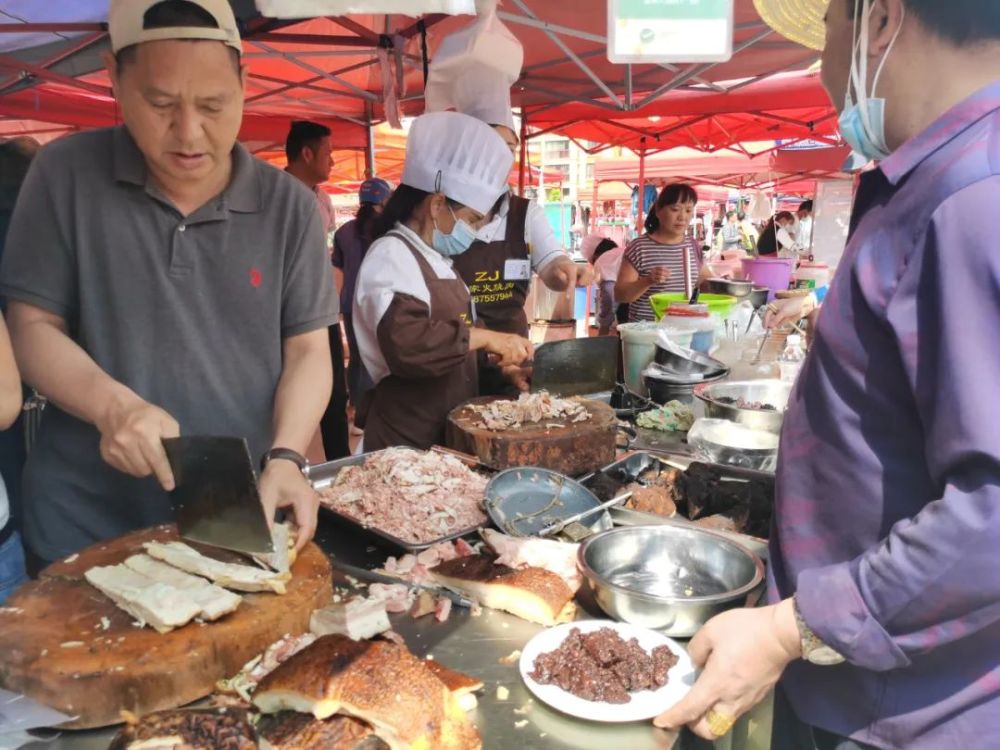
[601, 666]
[415, 496]
[530, 409]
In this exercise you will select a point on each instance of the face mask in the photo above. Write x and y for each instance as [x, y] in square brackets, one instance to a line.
[461, 238]
[862, 123]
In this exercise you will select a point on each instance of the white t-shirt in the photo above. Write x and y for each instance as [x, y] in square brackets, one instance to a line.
[543, 245]
[608, 265]
[388, 269]
[4, 504]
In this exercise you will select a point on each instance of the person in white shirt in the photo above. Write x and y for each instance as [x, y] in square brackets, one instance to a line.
[414, 317]
[606, 257]
[804, 226]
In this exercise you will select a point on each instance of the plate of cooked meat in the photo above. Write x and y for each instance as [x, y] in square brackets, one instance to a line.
[606, 671]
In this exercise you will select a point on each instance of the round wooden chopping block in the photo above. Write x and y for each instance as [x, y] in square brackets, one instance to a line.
[65, 644]
[573, 449]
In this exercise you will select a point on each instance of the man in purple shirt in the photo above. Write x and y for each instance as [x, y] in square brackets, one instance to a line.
[885, 557]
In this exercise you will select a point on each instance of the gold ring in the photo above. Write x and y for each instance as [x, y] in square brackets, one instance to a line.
[719, 724]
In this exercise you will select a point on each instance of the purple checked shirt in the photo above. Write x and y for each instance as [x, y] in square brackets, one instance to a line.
[888, 507]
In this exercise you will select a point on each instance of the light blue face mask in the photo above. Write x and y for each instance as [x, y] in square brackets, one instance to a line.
[461, 238]
[862, 123]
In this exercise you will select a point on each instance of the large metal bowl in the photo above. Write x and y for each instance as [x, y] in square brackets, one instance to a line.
[525, 500]
[774, 392]
[732, 287]
[693, 363]
[672, 578]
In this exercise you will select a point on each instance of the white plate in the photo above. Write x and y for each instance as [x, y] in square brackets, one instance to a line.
[644, 705]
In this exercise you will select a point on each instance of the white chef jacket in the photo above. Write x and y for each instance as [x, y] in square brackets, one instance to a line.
[388, 269]
[543, 246]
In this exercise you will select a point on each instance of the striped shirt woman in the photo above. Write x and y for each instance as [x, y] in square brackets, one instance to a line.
[645, 254]
[657, 261]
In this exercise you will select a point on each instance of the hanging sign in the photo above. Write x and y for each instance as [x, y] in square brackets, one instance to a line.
[670, 31]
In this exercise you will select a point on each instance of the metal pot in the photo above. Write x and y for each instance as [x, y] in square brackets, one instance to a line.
[732, 287]
[774, 392]
[672, 578]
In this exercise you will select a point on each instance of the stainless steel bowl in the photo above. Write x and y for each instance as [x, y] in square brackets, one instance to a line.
[693, 363]
[525, 500]
[774, 392]
[732, 287]
[672, 578]
[720, 441]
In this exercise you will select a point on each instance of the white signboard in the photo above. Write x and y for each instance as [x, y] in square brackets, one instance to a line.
[318, 8]
[670, 31]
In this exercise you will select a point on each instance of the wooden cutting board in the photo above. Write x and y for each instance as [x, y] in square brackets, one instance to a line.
[573, 449]
[137, 669]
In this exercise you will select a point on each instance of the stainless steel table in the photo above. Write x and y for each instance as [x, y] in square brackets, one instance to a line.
[475, 645]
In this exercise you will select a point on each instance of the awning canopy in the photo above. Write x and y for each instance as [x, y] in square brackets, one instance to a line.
[336, 69]
[791, 170]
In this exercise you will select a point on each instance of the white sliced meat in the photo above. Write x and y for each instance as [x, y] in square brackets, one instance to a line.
[528, 552]
[158, 604]
[232, 576]
[215, 601]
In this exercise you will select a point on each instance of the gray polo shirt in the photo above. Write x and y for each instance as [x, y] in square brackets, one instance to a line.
[189, 312]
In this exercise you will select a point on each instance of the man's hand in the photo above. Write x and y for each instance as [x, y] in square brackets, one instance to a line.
[565, 274]
[520, 377]
[512, 350]
[658, 275]
[132, 431]
[789, 310]
[742, 653]
[282, 485]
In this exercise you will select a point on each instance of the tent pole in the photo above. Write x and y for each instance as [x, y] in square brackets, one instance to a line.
[593, 207]
[369, 143]
[640, 218]
[524, 153]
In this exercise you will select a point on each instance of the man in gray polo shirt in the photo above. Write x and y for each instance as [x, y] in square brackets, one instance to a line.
[162, 281]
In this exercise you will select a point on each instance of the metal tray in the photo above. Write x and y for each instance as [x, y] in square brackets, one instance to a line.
[634, 464]
[321, 476]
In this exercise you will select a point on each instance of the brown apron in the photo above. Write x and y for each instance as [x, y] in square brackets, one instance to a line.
[414, 411]
[499, 302]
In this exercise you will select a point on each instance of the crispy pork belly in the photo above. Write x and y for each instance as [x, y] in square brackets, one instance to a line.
[532, 552]
[232, 576]
[289, 730]
[245, 681]
[283, 537]
[196, 729]
[215, 601]
[378, 682]
[358, 619]
[462, 686]
[533, 594]
[158, 604]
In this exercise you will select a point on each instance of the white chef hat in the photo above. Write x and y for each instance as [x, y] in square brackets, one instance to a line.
[458, 155]
[473, 70]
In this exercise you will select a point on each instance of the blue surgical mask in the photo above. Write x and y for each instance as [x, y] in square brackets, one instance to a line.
[862, 123]
[461, 238]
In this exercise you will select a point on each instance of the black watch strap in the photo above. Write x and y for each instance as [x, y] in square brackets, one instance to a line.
[286, 453]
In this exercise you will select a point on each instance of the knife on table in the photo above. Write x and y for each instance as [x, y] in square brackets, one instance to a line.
[373, 576]
[216, 500]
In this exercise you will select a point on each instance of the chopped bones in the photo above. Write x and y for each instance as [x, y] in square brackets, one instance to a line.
[529, 408]
[412, 495]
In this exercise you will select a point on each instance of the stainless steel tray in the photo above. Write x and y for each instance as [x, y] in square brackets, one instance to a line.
[321, 476]
[638, 462]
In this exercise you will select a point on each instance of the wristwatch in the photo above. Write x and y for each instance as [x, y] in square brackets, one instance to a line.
[814, 650]
[288, 455]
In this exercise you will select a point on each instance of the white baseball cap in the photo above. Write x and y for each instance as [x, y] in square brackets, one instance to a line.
[458, 155]
[126, 24]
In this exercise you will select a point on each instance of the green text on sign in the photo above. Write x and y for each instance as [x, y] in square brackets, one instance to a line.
[680, 10]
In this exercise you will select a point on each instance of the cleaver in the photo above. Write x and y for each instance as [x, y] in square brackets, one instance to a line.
[576, 367]
[215, 500]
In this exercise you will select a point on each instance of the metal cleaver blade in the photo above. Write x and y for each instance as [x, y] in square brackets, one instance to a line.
[216, 501]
